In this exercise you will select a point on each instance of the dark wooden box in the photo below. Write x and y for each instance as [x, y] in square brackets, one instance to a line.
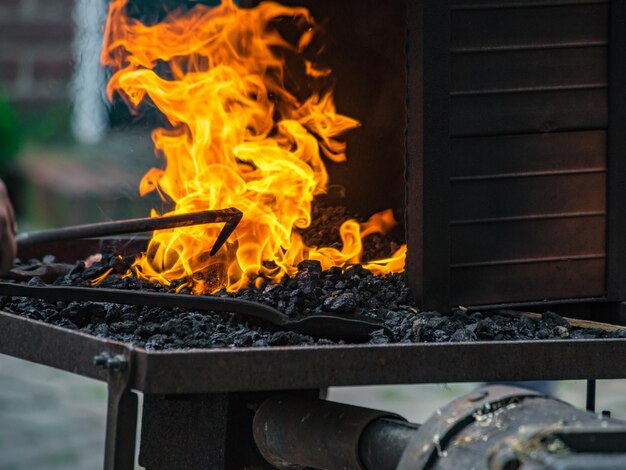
[516, 152]
[497, 130]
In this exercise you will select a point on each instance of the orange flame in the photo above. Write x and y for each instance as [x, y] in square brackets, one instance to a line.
[237, 138]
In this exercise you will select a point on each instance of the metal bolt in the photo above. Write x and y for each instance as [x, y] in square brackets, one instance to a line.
[115, 363]
[101, 359]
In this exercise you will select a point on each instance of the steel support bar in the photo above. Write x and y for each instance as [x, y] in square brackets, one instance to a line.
[121, 423]
[119, 450]
[591, 396]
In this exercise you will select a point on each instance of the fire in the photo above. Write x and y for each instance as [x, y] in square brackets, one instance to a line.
[238, 137]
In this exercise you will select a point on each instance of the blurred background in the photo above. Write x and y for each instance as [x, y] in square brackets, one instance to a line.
[68, 157]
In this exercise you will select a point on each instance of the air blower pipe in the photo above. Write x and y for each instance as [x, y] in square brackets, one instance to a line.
[494, 427]
[299, 432]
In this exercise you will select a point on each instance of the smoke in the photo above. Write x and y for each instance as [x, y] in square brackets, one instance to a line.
[90, 117]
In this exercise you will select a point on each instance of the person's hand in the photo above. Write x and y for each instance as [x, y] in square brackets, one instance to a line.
[8, 245]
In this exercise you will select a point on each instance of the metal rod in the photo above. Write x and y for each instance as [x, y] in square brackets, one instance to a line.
[591, 395]
[230, 217]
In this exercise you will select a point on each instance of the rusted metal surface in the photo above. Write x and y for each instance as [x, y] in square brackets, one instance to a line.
[438, 431]
[317, 367]
[314, 367]
[82, 354]
[501, 427]
[292, 430]
[121, 422]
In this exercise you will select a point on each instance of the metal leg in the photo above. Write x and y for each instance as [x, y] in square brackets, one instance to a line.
[121, 427]
[591, 396]
[121, 430]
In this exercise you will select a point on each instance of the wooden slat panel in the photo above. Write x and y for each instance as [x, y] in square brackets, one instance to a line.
[528, 282]
[523, 239]
[529, 68]
[517, 113]
[528, 153]
[541, 195]
[479, 4]
[532, 26]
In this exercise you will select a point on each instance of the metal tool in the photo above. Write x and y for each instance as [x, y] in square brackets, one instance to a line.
[230, 217]
[350, 328]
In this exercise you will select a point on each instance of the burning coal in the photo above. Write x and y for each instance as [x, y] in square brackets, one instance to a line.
[238, 137]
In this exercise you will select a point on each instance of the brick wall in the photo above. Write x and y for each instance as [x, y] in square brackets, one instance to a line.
[36, 51]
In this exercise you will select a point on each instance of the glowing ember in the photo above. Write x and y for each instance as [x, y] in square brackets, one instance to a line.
[238, 138]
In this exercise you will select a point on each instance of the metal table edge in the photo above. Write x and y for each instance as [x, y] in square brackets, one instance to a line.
[55, 346]
[305, 367]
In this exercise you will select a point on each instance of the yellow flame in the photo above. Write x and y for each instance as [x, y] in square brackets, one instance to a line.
[237, 138]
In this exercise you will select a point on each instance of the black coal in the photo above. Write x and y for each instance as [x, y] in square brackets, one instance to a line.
[311, 290]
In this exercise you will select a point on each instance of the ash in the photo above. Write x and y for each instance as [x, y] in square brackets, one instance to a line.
[311, 290]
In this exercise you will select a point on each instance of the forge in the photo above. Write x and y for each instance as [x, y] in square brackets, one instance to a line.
[425, 168]
[490, 129]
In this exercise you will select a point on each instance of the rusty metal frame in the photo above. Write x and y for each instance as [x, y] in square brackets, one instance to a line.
[128, 369]
[310, 367]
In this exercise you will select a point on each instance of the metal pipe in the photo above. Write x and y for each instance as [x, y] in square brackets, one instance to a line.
[300, 432]
[384, 441]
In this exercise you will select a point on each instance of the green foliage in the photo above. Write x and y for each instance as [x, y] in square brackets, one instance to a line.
[10, 135]
[52, 125]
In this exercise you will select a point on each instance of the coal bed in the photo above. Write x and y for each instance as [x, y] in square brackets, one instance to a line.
[311, 291]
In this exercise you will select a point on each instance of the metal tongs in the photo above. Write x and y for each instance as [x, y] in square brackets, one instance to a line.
[230, 217]
[351, 327]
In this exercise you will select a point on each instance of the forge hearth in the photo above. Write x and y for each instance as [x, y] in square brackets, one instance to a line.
[203, 398]
[350, 294]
